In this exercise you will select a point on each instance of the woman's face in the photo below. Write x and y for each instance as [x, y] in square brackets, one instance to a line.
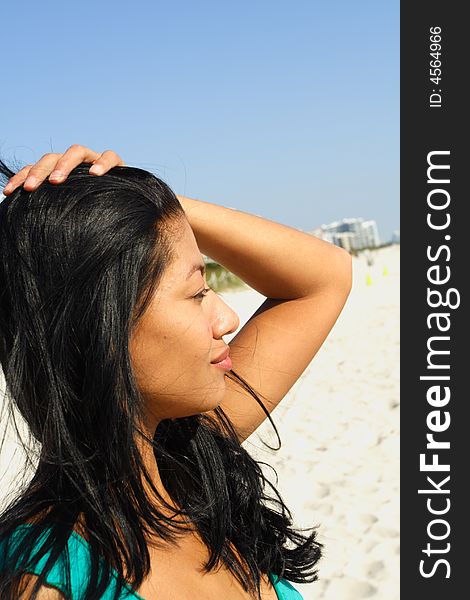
[178, 336]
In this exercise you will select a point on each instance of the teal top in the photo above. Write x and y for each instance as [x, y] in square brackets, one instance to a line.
[79, 552]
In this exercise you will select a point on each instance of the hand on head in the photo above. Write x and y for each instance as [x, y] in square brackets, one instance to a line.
[58, 166]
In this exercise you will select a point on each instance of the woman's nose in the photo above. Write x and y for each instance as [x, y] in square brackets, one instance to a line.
[234, 321]
[226, 319]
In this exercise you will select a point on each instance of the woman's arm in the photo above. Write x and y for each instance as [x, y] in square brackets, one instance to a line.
[306, 282]
[276, 260]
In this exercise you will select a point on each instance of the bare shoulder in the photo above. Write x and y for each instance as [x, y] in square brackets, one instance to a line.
[46, 592]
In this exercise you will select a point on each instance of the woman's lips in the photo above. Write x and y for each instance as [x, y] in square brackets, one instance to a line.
[223, 360]
[226, 363]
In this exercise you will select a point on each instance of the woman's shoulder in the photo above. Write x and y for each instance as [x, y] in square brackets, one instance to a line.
[74, 564]
[55, 587]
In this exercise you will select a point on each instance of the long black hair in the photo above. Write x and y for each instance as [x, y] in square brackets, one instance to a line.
[79, 262]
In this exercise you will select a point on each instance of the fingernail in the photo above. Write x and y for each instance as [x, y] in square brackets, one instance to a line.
[56, 175]
[97, 170]
[30, 182]
[8, 187]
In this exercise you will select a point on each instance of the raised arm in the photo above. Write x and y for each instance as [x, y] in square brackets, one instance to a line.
[306, 281]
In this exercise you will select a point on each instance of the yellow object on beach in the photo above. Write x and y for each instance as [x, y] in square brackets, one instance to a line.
[368, 279]
[385, 271]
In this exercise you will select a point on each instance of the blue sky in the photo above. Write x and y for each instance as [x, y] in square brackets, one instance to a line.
[288, 110]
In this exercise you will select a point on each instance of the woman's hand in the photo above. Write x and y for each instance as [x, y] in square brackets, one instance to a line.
[58, 166]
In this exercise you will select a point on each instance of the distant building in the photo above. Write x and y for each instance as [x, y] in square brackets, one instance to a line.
[350, 234]
[396, 237]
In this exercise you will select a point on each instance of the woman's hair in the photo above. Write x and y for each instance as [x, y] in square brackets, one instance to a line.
[79, 262]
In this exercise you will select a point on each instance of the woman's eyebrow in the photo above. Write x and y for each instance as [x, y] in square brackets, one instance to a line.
[196, 267]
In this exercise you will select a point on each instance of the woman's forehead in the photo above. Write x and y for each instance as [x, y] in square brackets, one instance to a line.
[188, 259]
[186, 263]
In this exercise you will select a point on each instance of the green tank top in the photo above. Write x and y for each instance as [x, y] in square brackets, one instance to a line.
[79, 552]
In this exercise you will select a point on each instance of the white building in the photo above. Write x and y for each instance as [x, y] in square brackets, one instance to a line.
[350, 234]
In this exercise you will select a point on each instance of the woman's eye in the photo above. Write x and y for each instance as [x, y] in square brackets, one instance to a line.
[201, 294]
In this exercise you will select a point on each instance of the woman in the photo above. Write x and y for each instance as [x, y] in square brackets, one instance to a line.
[112, 348]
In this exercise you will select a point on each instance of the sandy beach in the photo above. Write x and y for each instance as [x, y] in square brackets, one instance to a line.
[338, 466]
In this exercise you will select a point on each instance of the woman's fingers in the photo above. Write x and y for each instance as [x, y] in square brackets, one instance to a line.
[75, 155]
[16, 180]
[39, 171]
[106, 161]
[58, 166]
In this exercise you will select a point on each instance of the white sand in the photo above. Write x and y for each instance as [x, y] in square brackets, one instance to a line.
[338, 465]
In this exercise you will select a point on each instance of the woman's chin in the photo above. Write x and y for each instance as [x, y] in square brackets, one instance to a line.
[217, 396]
